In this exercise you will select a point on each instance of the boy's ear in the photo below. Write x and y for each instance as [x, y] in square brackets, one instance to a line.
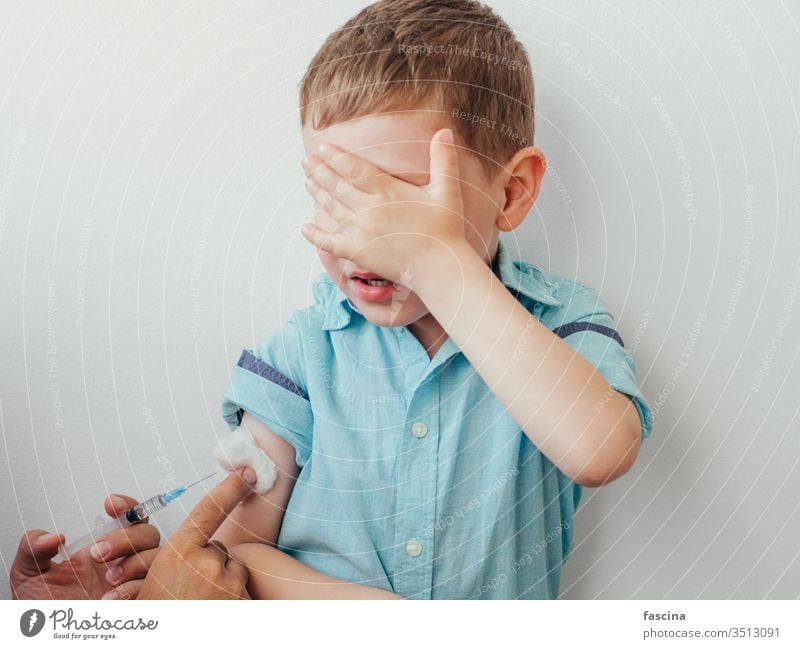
[522, 177]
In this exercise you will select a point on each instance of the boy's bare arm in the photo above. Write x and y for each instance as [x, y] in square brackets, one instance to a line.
[549, 388]
[275, 575]
[258, 517]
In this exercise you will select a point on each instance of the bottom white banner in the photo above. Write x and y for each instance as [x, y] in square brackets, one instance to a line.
[596, 623]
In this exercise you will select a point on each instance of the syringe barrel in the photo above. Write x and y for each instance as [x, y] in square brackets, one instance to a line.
[100, 530]
[145, 509]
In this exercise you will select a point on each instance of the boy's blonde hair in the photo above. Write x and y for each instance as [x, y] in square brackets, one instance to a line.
[454, 56]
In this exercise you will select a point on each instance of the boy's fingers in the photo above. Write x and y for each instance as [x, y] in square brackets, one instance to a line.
[36, 548]
[360, 173]
[444, 162]
[212, 510]
[320, 196]
[330, 181]
[335, 244]
[328, 202]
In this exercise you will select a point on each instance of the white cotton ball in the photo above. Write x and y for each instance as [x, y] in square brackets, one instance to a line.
[239, 449]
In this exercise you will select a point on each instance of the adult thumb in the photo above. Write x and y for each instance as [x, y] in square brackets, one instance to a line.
[214, 508]
[444, 162]
[36, 548]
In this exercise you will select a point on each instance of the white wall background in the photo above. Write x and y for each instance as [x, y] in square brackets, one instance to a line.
[150, 194]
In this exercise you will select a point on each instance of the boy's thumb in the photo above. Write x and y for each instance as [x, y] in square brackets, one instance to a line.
[444, 160]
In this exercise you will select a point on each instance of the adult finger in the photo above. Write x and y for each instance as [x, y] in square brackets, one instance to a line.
[220, 548]
[131, 568]
[36, 548]
[239, 572]
[125, 541]
[212, 510]
[117, 504]
[128, 590]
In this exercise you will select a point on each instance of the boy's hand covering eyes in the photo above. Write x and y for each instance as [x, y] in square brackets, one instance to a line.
[384, 224]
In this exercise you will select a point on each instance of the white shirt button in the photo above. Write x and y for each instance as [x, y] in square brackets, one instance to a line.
[419, 429]
[414, 548]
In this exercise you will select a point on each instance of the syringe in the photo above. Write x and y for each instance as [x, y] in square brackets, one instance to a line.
[135, 514]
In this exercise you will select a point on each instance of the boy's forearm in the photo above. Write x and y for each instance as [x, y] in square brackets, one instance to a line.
[549, 389]
[275, 575]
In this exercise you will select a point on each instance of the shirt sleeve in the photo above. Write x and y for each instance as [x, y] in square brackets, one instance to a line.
[269, 382]
[588, 326]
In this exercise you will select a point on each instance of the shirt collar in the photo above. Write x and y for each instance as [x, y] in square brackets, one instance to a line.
[521, 278]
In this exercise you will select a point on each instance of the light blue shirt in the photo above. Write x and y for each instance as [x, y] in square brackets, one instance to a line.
[413, 477]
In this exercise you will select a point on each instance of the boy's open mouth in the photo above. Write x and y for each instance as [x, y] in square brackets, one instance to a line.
[371, 287]
[370, 279]
[373, 282]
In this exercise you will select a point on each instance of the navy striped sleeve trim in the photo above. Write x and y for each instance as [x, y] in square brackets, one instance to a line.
[574, 327]
[253, 364]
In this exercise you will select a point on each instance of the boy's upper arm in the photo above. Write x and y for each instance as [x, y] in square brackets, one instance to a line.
[585, 322]
[268, 394]
[269, 382]
[257, 519]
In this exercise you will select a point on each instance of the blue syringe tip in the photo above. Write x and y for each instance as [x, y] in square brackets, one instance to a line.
[169, 496]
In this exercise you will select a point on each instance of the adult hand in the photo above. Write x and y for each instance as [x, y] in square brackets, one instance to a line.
[188, 566]
[112, 568]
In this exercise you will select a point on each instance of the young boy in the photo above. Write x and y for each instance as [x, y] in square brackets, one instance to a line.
[436, 413]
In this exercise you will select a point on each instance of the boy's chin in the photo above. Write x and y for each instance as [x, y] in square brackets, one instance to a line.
[387, 314]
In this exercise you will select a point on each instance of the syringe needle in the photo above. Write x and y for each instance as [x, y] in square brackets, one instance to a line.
[200, 480]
